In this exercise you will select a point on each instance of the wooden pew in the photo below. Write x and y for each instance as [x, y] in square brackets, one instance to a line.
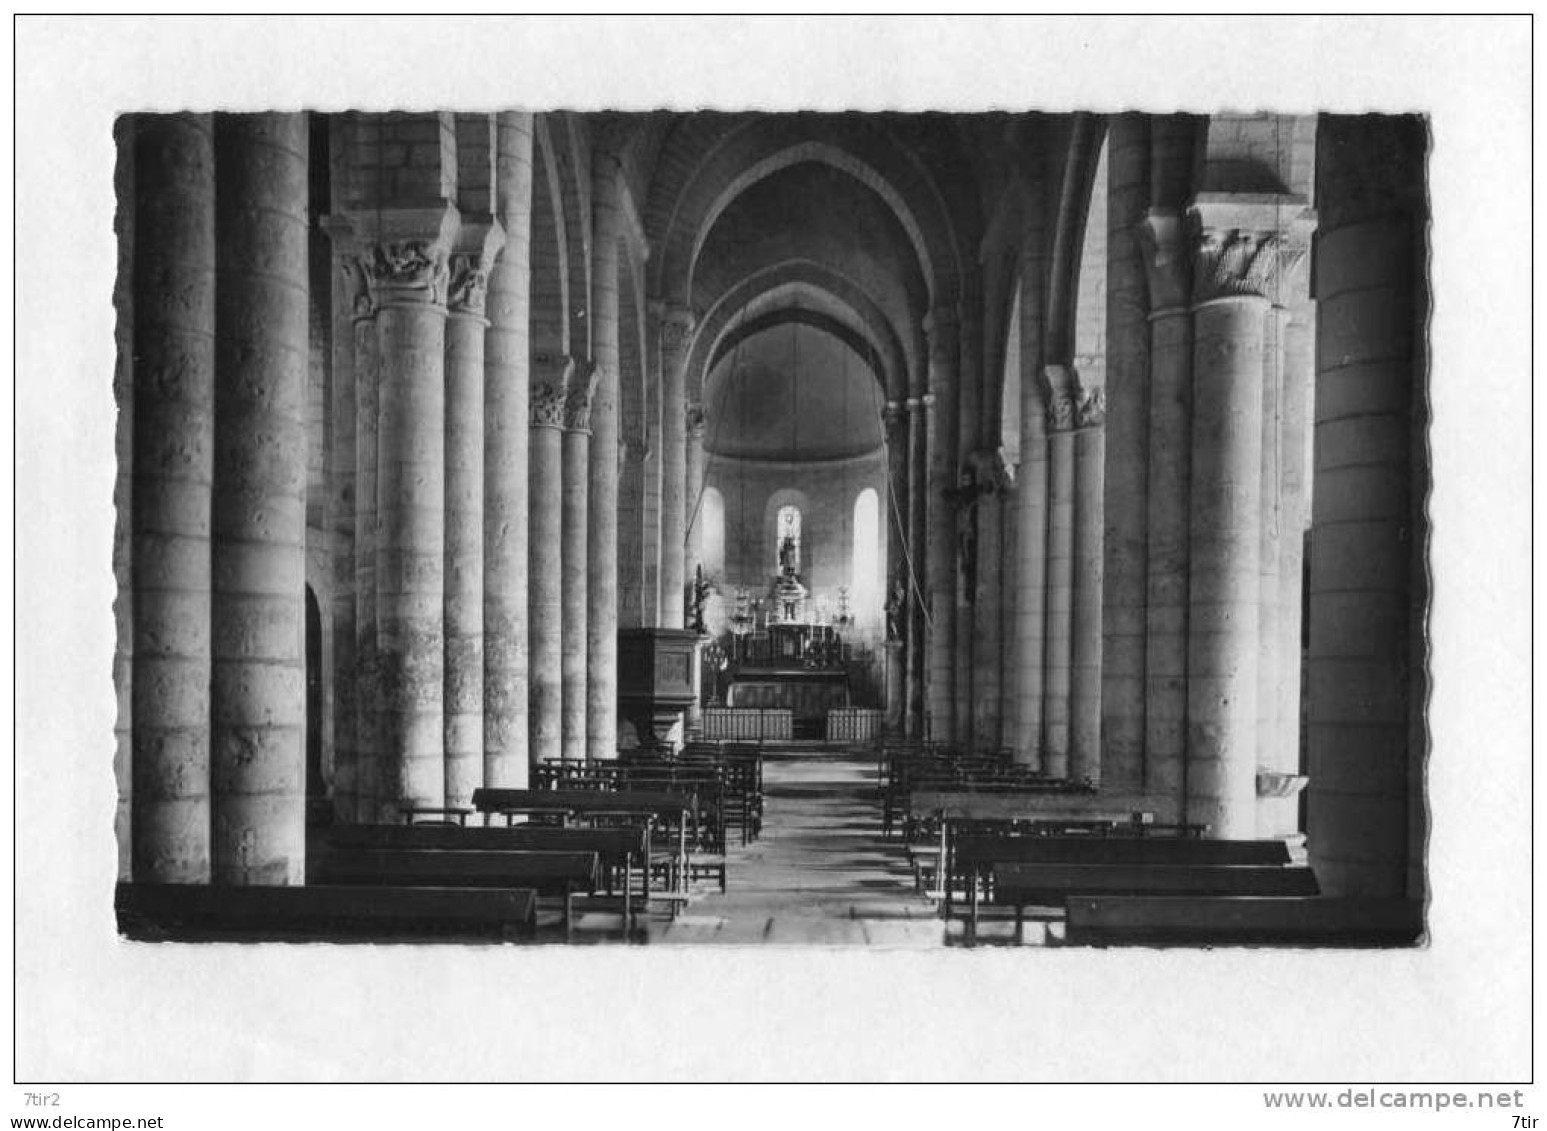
[557, 874]
[1241, 921]
[1019, 802]
[671, 808]
[617, 849]
[974, 855]
[435, 814]
[1006, 807]
[206, 911]
[1023, 885]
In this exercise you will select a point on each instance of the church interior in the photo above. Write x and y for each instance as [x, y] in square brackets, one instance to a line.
[881, 529]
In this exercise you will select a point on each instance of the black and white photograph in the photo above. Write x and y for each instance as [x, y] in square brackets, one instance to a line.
[773, 550]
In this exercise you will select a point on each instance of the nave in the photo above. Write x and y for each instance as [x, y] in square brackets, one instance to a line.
[820, 874]
[458, 451]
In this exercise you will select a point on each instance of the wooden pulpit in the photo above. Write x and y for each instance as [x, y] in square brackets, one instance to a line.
[657, 679]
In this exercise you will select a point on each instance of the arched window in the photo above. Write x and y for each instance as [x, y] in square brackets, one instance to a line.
[713, 518]
[787, 541]
[865, 561]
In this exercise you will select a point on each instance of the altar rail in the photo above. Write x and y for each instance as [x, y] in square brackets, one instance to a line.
[853, 724]
[748, 724]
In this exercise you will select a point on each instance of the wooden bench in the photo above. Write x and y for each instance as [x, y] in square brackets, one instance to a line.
[995, 803]
[618, 850]
[974, 855]
[1241, 921]
[953, 809]
[205, 912]
[1024, 885]
[550, 874]
[674, 810]
[435, 814]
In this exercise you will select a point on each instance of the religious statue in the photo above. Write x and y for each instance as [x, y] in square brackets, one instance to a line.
[701, 589]
[965, 498]
[787, 556]
[894, 606]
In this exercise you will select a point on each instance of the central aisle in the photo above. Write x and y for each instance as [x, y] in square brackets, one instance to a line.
[820, 874]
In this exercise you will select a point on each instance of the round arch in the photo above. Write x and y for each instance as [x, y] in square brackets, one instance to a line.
[816, 286]
[720, 167]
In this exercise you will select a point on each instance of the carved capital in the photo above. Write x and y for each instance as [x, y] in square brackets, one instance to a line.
[1227, 263]
[408, 271]
[1246, 247]
[357, 285]
[546, 405]
[1060, 412]
[583, 377]
[892, 419]
[1088, 387]
[478, 245]
[1091, 410]
[469, 285]
[1060, 385]
[697, 419]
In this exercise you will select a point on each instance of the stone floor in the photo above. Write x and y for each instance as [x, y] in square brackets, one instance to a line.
[819, 875]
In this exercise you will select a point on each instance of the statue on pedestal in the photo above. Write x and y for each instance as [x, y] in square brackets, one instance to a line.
[701, 589]
[894, 609]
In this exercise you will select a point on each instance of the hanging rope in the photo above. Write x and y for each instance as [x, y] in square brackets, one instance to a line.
[891, 495]
[714, 436]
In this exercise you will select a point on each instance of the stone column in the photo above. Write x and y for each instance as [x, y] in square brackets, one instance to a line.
[697, 464]
[897, 598]
[410, 267]
[1127, 463]
[650, 514]
[1008, 567]
[174, 433]
[340, 519]
[551, 377]
[917, 584]
[1031, 525]
[576, 499]
[1059, 641]
[693, 553]
[602, 514]
[477, 245]
[1295, 432]
[631, 533]
[940, 416]
[367, 676]
[676, 334]
[123, 494]
[1276, 815]
[987, 633]
[506, 434]
[1027, 653]
[1168, 474]
[1085, 755]
[258, 670]
[1369, 538]
[964, 588]
[1225, 539]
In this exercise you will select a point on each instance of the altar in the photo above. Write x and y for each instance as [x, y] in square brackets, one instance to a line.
[807, 693]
